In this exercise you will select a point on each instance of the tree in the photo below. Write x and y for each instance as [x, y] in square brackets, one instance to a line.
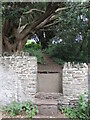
[22, 20]
[73, 31]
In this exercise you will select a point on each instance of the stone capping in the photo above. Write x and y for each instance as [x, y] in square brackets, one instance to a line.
[69, 65]
[16, 54]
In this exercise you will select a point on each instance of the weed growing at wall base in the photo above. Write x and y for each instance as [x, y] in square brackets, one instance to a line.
[81, 112]
[16, 108]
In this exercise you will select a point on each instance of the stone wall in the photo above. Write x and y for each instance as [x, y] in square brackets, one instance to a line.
[18, 76]
[75, 82]
[18, 80]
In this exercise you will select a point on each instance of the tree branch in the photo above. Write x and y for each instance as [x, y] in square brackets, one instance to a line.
[30, 11]
[30, 27]
[43, 23]
[60, 9]
[49, 25]
[20, 29]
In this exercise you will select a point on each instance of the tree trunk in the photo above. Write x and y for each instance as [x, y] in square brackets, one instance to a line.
[11, 42]
[14, 41]
[19, 48]
[12, 48]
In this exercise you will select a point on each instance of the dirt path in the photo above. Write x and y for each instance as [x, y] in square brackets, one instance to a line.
[50, 65]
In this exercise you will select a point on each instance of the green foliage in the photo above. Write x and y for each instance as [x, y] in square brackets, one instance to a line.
[31, 110]
[16, 108]
[34, 49]
[51, 52]
[67, 53]
[72, 30]
[34, 45]
[82, 111]
[59, 61]
[13, 11]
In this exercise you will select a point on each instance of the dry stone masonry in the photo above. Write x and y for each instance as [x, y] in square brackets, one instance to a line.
[75, 82]
[17, 78]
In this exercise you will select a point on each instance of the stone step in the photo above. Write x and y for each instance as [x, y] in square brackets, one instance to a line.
[47, 107]
[59, 116]
[43, 95]
[40, 117]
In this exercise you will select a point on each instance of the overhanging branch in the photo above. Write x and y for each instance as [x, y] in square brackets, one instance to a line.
[30, 27]
[49, 25]
[30, 11]
[60, 9]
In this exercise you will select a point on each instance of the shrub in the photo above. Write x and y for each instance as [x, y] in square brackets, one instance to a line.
[82, 111]
[34, 49]
[16, 108]
[51, 51]
[33, 45]
[37, 53]
[67, 52]
[59, 61]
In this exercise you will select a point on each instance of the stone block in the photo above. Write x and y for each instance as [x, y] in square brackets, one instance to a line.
[47, 107]
[50, 110]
